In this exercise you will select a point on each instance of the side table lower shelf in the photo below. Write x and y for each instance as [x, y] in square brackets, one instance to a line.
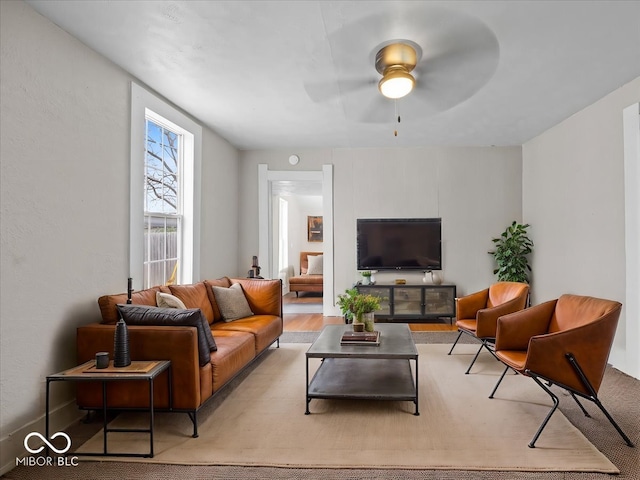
[138, 370]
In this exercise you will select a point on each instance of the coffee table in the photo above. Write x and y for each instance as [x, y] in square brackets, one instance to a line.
[367, 372]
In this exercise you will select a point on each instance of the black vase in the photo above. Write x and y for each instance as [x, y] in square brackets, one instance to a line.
[121, 357]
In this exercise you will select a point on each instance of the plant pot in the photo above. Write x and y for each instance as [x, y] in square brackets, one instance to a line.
[369, 322]
[358, 327]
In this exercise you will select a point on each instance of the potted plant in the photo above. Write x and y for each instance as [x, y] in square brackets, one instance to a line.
[511, 250]
[358, 308]
[366, 277]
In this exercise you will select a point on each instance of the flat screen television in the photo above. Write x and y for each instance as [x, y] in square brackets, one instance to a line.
[399, 244]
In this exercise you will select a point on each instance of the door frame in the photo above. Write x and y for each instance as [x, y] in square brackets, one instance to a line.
[266, 178]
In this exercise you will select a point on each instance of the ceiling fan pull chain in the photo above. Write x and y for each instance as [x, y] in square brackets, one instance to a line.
[395, 103]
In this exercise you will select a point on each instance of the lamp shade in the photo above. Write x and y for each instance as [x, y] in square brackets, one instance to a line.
[396, 83]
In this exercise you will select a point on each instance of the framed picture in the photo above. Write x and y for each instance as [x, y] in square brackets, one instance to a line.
[314, 229]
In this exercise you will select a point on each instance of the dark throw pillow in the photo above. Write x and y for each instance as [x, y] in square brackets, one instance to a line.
[192, 317]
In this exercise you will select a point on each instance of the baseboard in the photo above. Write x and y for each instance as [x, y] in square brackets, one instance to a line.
[12, 446]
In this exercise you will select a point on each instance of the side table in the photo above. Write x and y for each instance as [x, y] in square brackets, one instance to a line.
[138, 370]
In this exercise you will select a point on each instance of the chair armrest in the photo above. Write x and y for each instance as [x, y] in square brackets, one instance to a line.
[487, 318]
[516, 329]
[468, 306]
[590, 344]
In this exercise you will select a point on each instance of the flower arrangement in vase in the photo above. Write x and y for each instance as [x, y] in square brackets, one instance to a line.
[358, 309]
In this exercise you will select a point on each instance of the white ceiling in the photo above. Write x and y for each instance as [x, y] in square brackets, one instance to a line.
[276, 74]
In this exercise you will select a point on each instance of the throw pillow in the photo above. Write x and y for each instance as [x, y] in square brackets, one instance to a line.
[194, 296]
[145, 315]
[232, 302]
[315, 265]
[166, 300]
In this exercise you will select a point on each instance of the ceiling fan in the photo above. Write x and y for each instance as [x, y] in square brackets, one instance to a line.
[436, 59]
[395, 62]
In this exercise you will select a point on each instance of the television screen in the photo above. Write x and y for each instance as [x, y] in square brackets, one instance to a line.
[399, 244]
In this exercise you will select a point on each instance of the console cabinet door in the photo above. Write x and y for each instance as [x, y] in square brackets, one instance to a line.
[407, 301]
[383, 293]
[440, 301]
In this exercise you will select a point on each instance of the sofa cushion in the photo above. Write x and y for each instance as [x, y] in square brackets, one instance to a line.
[315, 265]
[265, 329]
[166, 300]
[108, 303]
[194, 296]
[306, 280]
[232, 302]
[145, 315]
[236, 350]
[219, 282]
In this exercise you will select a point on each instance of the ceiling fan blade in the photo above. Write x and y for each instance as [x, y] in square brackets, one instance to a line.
[459, 53]
[378, 110]
[454, 71]
[332, 89]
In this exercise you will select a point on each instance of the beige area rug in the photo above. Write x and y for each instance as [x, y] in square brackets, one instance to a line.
[262, 423]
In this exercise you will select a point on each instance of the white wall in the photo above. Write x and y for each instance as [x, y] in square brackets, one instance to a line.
[65, 128]
[477, 192]
[304, 206]
[573, 195]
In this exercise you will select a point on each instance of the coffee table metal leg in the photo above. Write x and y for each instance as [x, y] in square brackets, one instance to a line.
[46, 421]
[416, 400]
[104, 416]
[307, 412]
[151, 417]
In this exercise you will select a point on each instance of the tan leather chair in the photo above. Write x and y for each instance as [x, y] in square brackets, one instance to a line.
[565, 342]
[477, 314]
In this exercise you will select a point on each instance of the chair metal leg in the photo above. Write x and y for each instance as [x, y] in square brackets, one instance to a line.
[556, 402]
[594, 397]
[454, 343]
[485, 344]
[586, 414]
[474, 359]
[613, 422]
[499, 381]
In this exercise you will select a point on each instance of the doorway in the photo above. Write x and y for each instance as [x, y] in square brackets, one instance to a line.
[270, 184]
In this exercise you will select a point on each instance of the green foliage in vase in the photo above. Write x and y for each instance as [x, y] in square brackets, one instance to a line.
[352, 303]
[511, 250]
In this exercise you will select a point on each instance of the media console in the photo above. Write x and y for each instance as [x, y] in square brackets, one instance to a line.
[402, 303]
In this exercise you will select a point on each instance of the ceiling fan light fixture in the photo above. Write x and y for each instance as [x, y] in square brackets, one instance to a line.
[396, 82]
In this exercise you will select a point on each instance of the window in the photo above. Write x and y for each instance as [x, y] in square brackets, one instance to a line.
[165, 197]
[162, 203]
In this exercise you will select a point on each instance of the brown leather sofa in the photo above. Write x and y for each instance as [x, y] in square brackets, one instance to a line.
[305, 282]
[238, 342]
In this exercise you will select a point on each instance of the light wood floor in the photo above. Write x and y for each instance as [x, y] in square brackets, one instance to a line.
[312, 322]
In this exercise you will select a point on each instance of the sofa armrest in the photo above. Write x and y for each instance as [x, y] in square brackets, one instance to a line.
[264, 296]
[176, 343]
